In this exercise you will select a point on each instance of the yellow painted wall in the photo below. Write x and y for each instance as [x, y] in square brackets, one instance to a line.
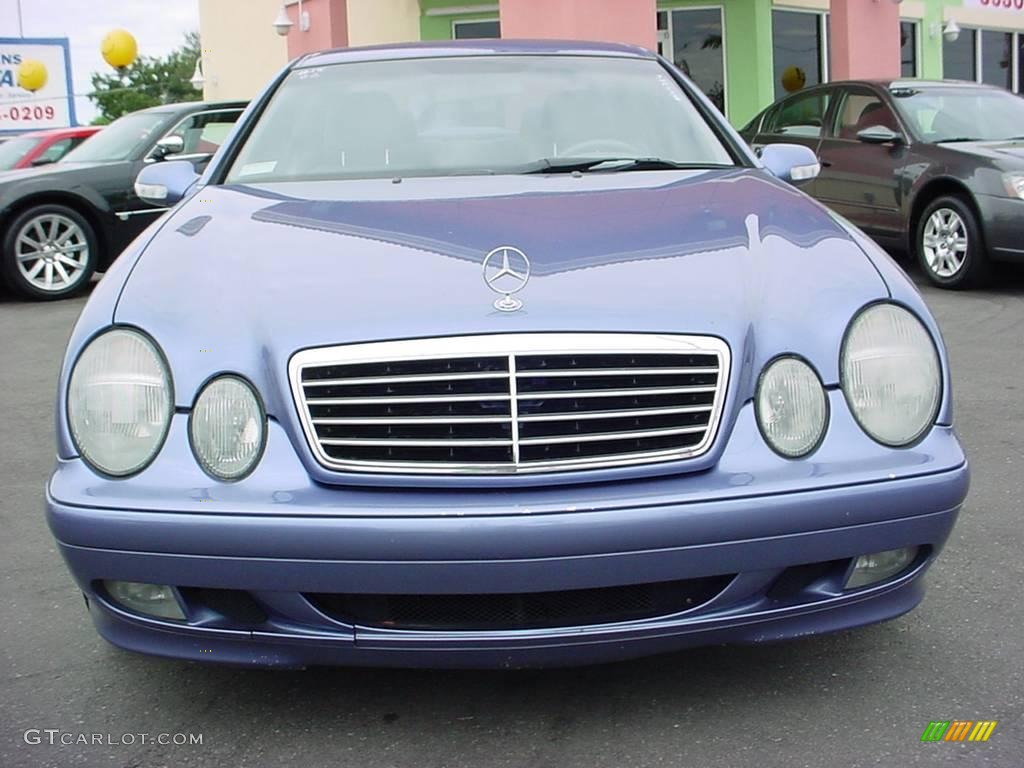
[383, 21]
[241, 50]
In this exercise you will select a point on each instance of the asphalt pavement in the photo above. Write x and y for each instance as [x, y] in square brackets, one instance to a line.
[860, 698]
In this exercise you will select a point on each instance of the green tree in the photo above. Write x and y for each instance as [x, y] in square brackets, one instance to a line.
[149, 81]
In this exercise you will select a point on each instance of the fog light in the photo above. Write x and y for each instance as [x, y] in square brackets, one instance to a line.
[870, 569]
[150, 599]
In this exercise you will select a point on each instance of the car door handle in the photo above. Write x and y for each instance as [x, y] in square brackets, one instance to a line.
[825, 163]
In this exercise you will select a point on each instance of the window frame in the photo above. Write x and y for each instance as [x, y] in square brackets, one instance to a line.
[668, 40]
[916, 24]
[150, 156]
[463, 22]
[861, 89]
[822, 90]
[1016, 60]
[824, 49]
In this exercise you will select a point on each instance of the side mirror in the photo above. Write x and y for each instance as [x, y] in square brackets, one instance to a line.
[164, 184]
[169, 145]
[879, 134]
[794, 163]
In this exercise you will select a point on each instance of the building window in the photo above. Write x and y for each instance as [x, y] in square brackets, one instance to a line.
[959, 57]
[908, 49]
[475, 30]
[798, 50]
[692, 39]
[1020, 63]
[996, 58]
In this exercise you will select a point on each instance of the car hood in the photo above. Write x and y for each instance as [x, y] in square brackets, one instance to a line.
[41, 174]
[1000, 151]
[241, 277]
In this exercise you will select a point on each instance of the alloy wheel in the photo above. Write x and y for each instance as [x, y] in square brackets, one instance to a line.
[944, 242]
[52, 252]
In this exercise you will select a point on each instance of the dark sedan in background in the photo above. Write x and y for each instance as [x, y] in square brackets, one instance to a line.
[62, 222]
[933, 168]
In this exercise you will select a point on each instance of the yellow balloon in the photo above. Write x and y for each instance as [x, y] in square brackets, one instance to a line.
[32, 75]
[119, 48]
[793, 79]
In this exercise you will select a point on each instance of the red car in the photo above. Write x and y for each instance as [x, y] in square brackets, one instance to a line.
[42, 147]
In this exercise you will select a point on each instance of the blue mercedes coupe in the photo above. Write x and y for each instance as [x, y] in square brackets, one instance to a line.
[496, 354]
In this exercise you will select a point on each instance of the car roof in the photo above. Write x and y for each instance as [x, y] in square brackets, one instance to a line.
[196, 106]
[903, 83]
[74, 130]
[489, 47]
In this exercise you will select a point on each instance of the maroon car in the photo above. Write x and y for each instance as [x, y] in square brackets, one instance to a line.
[935, 169]
[42, 147]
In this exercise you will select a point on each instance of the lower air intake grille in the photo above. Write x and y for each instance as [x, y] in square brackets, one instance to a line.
[534, 610]
[512, 403]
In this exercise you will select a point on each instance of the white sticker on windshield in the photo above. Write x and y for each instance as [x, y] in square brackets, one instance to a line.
[252, 169]
[671, 86]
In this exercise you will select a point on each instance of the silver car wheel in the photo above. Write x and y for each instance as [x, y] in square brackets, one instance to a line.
[52, 252]
[944, 242]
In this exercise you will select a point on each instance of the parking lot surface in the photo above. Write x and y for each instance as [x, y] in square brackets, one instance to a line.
[859, 698]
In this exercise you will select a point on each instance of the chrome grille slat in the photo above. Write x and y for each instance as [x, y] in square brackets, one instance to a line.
[403, 399]
[544, 402]
[413, 442]
[375, 420]
[580, 373]
[577, 415]
[430, 377]
[576, 394]
[610, 436]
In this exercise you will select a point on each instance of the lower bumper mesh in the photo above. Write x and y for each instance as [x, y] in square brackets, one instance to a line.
[531, 610]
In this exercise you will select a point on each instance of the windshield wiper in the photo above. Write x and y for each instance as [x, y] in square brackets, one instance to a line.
[582, 165]
[958, 139]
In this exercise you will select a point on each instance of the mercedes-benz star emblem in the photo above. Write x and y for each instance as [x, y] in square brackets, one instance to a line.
[506, 271]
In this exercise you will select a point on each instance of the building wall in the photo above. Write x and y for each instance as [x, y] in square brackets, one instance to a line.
[372, 22]
[328, 26]
[621, 21]
[241, 51]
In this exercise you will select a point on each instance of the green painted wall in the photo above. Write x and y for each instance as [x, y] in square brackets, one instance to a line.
[930, 66]
[440, 27]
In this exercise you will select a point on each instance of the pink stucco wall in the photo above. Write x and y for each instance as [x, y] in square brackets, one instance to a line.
[865, 39]
[620, 21]
[328, 26]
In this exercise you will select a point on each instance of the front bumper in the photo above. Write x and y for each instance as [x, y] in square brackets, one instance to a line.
[754, 526]
[1001, 219]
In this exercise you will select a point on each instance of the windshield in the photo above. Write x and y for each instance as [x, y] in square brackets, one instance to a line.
[493, 114]
[13, 150]
[952, 114]
[122, 139]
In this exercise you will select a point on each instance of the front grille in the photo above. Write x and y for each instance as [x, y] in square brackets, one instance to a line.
[513, 403]
[532, 610]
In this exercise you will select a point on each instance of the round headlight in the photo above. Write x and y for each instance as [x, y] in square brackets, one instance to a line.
[791, 407]
[889, 371]
[227, 428]
[120, 402]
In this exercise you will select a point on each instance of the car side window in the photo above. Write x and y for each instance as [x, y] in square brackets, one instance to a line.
[860, 110]
[204, 132]
[54, 152]
[802, 115]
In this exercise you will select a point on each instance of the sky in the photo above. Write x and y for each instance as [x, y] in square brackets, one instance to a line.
[159, 26]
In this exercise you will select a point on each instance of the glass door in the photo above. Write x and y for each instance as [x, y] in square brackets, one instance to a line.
[693, 39]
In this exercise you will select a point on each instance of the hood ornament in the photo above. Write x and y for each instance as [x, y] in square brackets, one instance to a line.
[506, 271]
